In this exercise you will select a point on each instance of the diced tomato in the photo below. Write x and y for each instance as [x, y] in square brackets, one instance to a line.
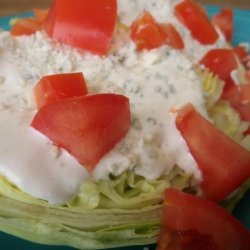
[224, 164]
[232, 95]
[244, 111]
[239, 98]
[241, 52]
[25, 26]
[85, 24]
[191, 222]
[148, 34]
[173, 38]
[53, 88]
[244, 90]
[221, 62]
[195, 19]
[87, 126]
[224, 21]
[40, 14]
[248, 76]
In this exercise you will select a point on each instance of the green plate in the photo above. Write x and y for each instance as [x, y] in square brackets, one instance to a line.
[242, 211]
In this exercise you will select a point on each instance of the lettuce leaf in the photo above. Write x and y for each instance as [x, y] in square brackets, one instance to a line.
[85, 229]
[228, 121]
[123, 211]
[212, 86]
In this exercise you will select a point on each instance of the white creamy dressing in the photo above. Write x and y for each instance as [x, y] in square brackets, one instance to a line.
[156, 82]
[163, 11]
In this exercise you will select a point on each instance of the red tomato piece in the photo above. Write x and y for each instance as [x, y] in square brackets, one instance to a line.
[224, 164]
[40, 14]
[193, 223]
[232, 95]
[53, 88]
[148, 34]
[25, 26]
[87, 126]
[244, 111]
[195, 19]
[85, 24]
[241, 52]
[173, 38]
[221, 62]
[224, 21]
[239, 98]
[244, 90]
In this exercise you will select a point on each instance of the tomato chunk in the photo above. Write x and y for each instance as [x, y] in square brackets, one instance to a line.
[241, 52]
[195, 19]
[224, 21]
[191, 222]
[87, 126]
[85, 24]
[148, 34]
[239, 98]
[224, 164]
[173, 38]
[244, 90]
[221, 62]
[25, 26]
[53, 88]
[40, 14]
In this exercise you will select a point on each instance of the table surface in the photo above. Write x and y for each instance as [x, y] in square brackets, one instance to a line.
[11, 7]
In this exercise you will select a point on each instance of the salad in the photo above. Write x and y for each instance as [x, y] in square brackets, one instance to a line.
[124, 123]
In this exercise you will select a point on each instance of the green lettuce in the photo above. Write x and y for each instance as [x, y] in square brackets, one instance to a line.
[228, 121]
[125, 210]
[212, 86]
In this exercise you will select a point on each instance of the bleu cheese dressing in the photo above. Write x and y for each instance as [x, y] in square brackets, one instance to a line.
[156, 82]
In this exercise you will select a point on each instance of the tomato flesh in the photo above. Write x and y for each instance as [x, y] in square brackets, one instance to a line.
[85, 24]
[25, 26]
[53, 88]
[87, 126]
[148, 34]
[173, 38]
[224, 165]
[241, 52]
[40, 14]
[191, 222]
[224, 21]
[221, 62]
[244, 90]
[195, 19]
[239, 98]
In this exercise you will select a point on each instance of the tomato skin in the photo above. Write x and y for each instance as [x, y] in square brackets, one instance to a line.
[241, 52]
[148, 34]
[189, 221]
[40, 14]
[224, 21]
[87, 126]
[221, 62]
[244, 90]
[25, 26]
[224, 165]
[88, 25]
[239, 98]
[53, 88]
[173, 38]
[191, 15]
[28, 26]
